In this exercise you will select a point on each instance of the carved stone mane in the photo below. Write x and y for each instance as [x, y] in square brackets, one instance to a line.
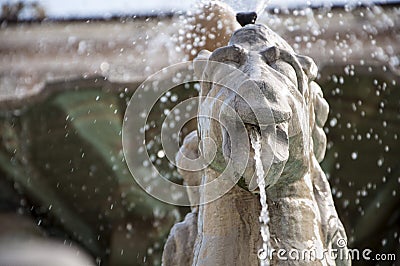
[292, 113]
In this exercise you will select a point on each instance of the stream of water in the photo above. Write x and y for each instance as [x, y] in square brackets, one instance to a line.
[264, 215]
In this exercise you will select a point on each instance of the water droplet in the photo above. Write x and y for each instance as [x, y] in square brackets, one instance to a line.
[174, 98]
[364, 193]
[160, 154]
[380, 162]
[129, 226]
[333, 122]
[104, 67]
[386, 148]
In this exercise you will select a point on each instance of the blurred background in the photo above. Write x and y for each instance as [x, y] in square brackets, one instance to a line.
[68, 70]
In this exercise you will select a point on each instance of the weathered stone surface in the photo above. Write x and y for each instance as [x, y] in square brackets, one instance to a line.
[275, 95]
[179, 247]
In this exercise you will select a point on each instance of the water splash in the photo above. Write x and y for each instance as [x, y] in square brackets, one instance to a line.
[257, 6]
[255, 138]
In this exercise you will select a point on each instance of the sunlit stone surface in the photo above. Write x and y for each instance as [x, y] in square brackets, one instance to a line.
[302, 212]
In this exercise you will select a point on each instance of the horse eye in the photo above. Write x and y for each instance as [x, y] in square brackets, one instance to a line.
[232, 53]
[272, 54]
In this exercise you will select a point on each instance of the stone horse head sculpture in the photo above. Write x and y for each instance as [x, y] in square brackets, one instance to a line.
[257, 84]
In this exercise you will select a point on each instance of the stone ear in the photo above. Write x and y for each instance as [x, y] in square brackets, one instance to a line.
[231, 53]
[200, 63]
[308, 65]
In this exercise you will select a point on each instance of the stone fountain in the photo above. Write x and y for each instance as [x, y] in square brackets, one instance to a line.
[257, 86]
